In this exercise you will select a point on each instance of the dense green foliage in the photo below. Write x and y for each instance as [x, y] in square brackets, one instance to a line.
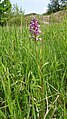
[10, 14]
[56, 5]
[5, 9]
[33, 74]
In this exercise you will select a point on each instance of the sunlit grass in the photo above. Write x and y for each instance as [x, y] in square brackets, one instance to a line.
[33, 81]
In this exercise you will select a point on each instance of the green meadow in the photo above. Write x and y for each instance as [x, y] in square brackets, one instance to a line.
[33, 74]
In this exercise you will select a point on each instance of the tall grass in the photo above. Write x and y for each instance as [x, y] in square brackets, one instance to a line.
[33, 81]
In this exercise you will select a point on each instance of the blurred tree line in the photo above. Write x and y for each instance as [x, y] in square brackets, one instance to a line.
[12, 14]
[56, 5]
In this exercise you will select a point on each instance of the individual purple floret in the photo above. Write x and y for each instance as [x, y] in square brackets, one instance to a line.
[34, 28]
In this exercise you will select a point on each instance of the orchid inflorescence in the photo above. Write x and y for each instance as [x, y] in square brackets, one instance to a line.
[35, 29]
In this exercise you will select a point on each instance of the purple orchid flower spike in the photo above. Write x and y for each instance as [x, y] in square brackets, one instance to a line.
[34, 28]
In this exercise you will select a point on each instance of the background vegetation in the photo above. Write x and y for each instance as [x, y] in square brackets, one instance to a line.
[13, 15]
[56, 5]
